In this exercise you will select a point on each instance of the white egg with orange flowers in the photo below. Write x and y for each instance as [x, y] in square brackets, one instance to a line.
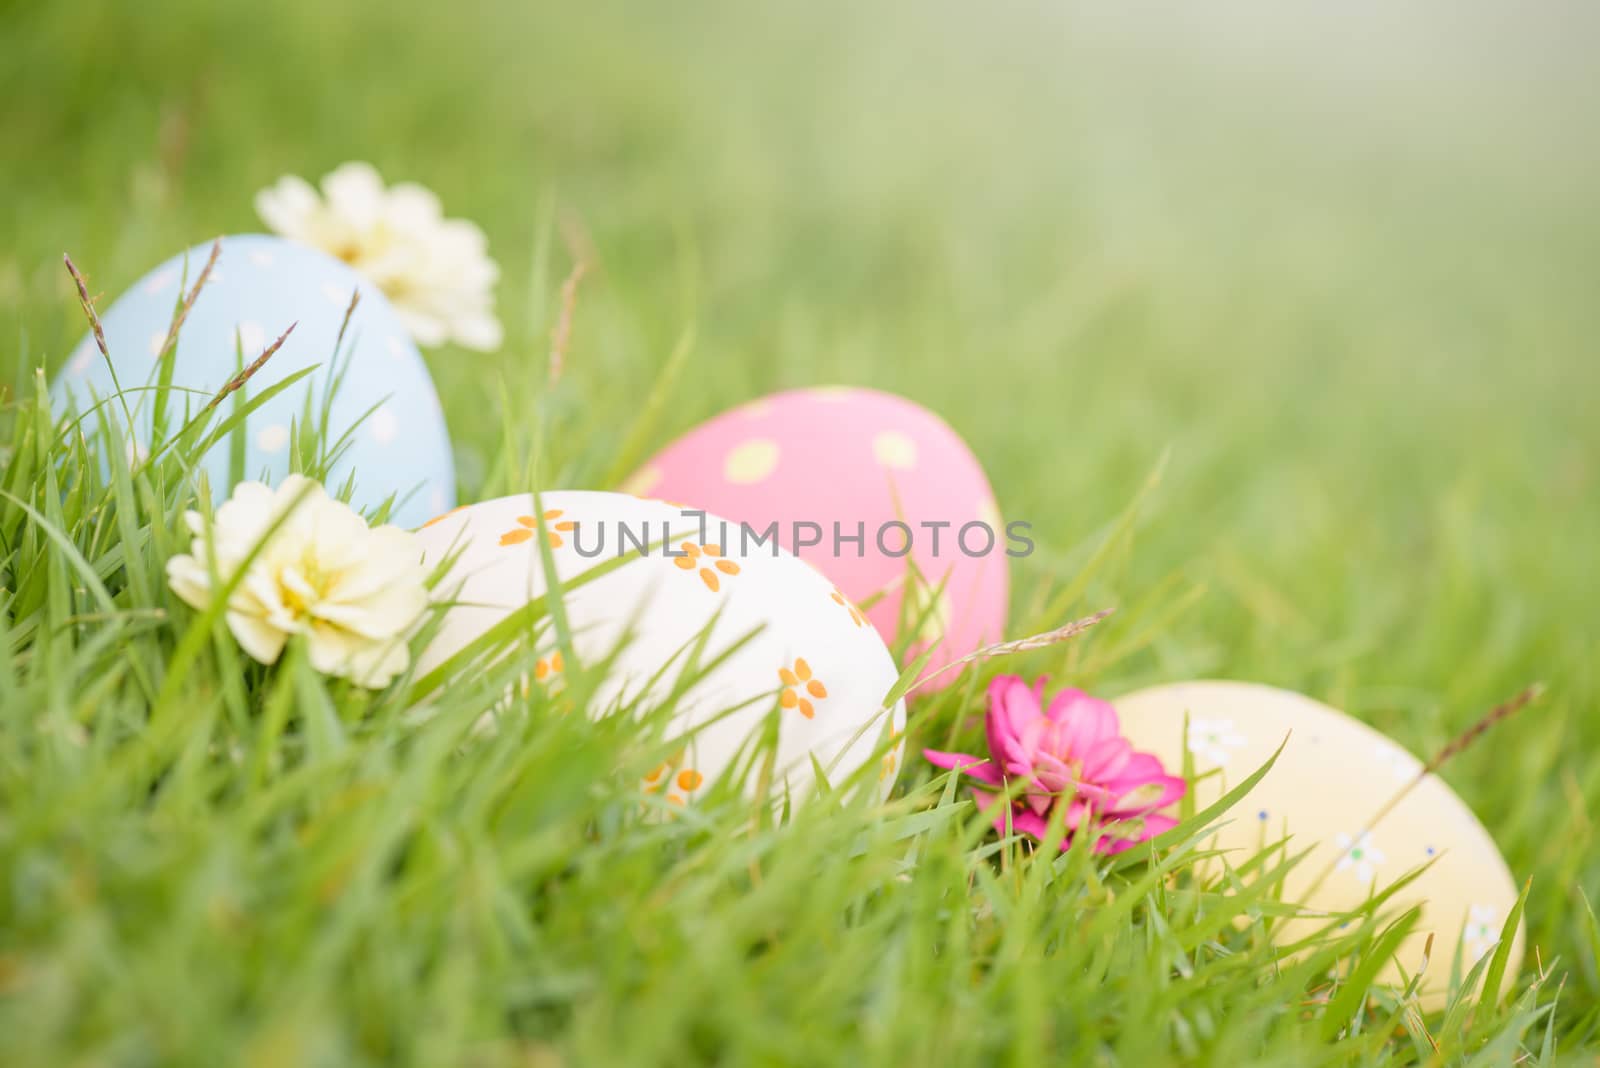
[778, 638]
[875, 490]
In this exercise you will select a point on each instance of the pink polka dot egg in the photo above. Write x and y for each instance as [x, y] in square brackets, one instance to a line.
[875, 491]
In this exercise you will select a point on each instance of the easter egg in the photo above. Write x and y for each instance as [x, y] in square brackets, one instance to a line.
[805, 652]
[1327, 792]
[864, 485]
[384, 400]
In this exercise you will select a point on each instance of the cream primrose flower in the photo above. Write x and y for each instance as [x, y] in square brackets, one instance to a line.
[354, 591]
[435, 271]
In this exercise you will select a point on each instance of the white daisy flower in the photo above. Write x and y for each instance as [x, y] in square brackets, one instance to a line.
[354, 591]
[1482, 933]
[435, 271]
[1210, 739]
[1359, 854]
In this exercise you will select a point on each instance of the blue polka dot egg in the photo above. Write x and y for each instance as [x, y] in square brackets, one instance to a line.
[382, 405]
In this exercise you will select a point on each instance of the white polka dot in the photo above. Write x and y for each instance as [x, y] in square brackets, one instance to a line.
[82, 358]
[160, 281]
[383, 426]
[336, 294]
[397, 348]
[272, 438]
[751, 462]
[260, 258]
[252, 338]
[642, 481]
[894, 449]
[158, 341]
[214, 277]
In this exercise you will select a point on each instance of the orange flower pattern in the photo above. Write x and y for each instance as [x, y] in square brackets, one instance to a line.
[545, 670]
[855, 613]
[891, 757]
[799, 686]
[678, 781]
[443, 516]
[707, 559]
[529, 524]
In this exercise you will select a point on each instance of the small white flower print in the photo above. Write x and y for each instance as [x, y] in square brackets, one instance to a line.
[252, 338]
[1399, 763]
[1210, 739]
[1482, 933]
[384, 427]
[158, 282]
[272, 438]
[1359, 854]
[82, 359]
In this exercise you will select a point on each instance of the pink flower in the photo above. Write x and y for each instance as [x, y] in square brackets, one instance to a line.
[1071, 754]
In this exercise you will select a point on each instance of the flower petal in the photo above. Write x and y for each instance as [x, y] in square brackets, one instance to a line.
[1085, 720]
[255, 636]
[189, 580]
[1107, 758]
[1120, 838]
[976, 767]
[1143, 785]
[1009, 818]
[481, 332]
[1138, 797]
[288, 206]
[1012, 706]
[355, 194]
[1026, 822]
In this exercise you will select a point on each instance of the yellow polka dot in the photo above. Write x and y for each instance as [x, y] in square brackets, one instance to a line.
[642, 481]
[833, 393]
[930, 615]
[896, 450]
[751, 462]
[755, 409]
[989, 512]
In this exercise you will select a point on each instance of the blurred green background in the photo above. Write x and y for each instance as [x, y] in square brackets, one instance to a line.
[1344, 265]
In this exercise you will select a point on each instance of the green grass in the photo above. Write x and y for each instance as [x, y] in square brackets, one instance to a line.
[1341, 277]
